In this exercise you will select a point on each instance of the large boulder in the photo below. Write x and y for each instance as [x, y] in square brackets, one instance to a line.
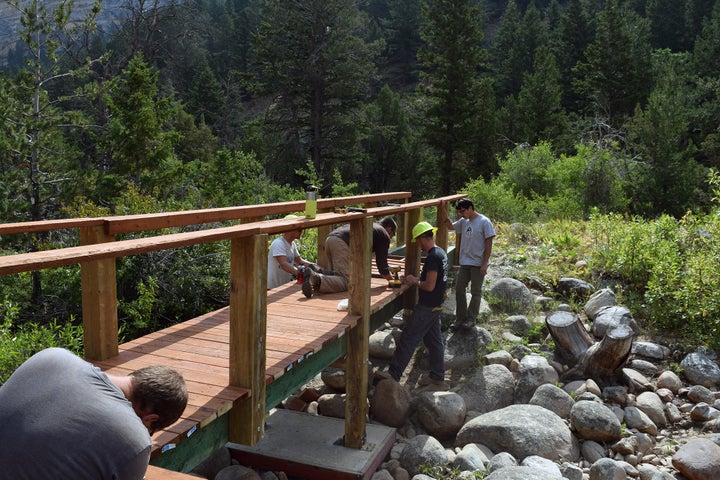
[554, 399]
[441, 413]
[534, 370]
[522, 430]
[490, 388]
[422, 450]
[390, 404]
[601, 298]
[574, 287]
[594, 421]
[699, 459]
[462, 347]
[701, 370]
[520, 473]
[510, 295]
[608, 318]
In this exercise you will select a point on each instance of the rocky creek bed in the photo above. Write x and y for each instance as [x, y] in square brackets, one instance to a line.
[516, 410]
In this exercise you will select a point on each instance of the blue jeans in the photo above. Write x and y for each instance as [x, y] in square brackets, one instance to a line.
[463, 312]
[423, 324]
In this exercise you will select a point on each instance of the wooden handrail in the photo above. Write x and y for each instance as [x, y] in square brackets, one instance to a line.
[154, 221]
[24, 262]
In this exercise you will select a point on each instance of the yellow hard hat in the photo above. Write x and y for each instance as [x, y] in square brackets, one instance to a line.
[421, 228]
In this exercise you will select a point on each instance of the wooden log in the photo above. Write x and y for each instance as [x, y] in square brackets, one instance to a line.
[571, 338]
[607, 356]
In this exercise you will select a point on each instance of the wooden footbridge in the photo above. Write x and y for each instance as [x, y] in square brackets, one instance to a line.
[242, 360]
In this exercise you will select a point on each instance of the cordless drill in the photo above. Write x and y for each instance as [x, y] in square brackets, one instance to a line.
[395, 282]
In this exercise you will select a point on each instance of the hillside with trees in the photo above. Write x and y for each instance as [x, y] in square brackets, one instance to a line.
[540, 109]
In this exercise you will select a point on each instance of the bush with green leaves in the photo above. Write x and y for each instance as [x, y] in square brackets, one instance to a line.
[669, 265]
[535, 184]
[18, 342]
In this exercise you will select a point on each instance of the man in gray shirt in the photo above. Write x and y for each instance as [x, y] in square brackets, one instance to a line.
[62, 418]
[476, 238]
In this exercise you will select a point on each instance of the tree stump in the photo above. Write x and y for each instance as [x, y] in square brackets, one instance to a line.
[571, 338]
[608, 355]
[587, 358]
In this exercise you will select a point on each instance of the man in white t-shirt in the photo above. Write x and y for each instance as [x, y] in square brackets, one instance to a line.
[476, 238]
[284, 258]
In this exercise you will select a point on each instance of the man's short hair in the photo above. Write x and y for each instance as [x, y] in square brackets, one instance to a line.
[162, 390]
[388, 222]
[464, 203]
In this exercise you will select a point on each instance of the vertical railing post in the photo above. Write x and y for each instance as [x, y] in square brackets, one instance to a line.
[441, 238]
[402, 227]
[98, 286]
[248, 313]
[322, 233]
[412, 256]
[358, 337]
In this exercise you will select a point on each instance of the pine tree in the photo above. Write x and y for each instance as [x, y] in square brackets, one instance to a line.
[616, 75]
[403, 38]
[453, 58]
[137, 138]
[668, 24]
[506, 60]
[514, 50]
[575, 32]
[313, 58]
[706, 54]
[659, 132]
[539, 100]
[39, 162]
[388, 144]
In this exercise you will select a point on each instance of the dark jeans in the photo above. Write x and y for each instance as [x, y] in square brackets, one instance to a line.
[423, 324]
[468, 274]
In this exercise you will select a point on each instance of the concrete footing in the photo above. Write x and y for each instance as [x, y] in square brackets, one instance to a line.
[311, 447]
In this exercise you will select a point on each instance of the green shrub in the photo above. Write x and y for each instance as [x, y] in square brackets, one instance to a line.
[498, 202]
[670, 265]
[18, 343]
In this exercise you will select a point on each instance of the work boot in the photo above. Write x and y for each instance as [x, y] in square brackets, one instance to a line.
[463, 325]
[427, 381]
[383, 375]
[311, 283]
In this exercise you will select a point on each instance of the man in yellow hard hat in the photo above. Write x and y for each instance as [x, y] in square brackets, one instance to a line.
[424, 323]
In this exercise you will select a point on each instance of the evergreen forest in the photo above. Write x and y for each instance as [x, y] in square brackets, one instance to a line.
[540, 110]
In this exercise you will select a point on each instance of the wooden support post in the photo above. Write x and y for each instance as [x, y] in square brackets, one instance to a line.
[402, 227]
[412, 256]
[322, 233]
[357, 339]
[248, 312]
[99, 299]
[441, 238]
